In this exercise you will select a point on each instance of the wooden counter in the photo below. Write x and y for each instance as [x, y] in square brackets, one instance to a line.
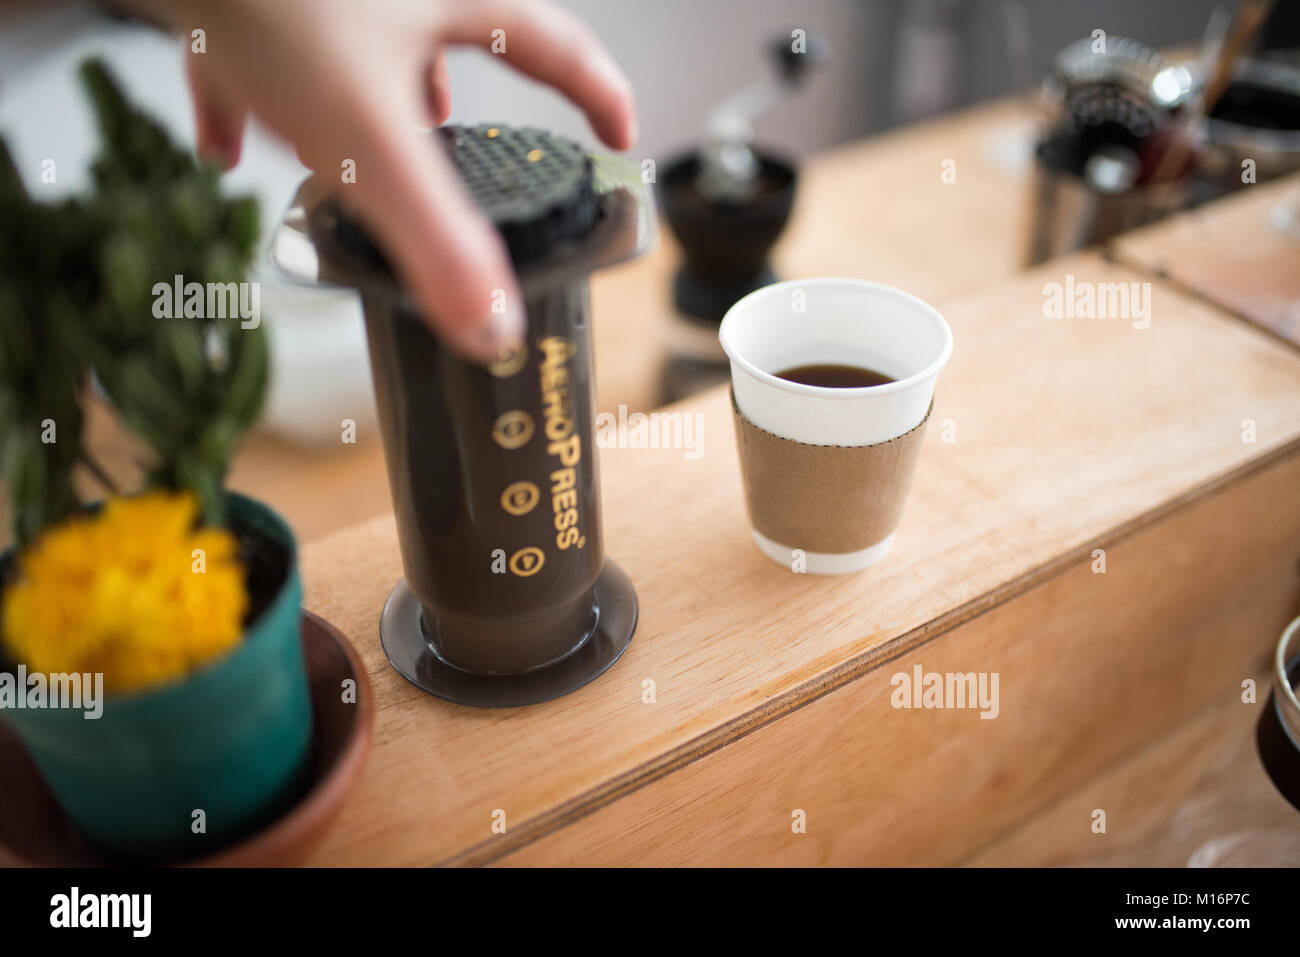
[772, 690]
[1234, 252]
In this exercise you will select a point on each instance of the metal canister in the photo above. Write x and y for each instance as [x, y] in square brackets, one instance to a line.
[1104, 109]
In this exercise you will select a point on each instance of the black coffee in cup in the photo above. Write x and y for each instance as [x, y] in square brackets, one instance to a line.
[835, 376]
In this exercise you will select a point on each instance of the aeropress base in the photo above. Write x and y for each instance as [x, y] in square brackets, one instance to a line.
[403, 633]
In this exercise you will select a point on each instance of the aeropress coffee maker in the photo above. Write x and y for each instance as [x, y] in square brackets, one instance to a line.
[508, 598]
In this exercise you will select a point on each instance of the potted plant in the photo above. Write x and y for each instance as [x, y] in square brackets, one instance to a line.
[175, 606]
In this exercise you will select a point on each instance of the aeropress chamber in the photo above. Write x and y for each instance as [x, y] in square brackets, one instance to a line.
[508, 598]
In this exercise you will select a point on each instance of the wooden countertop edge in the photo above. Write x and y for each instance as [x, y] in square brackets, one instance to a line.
[1117, 255]
[534, 828]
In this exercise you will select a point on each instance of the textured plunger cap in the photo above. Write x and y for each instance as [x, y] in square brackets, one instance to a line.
[535, 187]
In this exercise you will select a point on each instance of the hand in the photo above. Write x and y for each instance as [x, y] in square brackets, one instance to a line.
[347, 80]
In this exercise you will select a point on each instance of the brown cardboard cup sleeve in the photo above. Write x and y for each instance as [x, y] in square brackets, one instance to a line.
[825, 498]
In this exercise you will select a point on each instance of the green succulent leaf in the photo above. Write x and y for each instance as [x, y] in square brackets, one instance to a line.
[78, 284]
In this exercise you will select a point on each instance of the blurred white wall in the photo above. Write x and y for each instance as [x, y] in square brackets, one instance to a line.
[682, 57]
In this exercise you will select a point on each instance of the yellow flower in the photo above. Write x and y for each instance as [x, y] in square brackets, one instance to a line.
[135, 592]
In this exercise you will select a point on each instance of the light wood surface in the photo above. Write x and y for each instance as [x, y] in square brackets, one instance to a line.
[881, 210]
[1069, 432]
[1233, 253]
[318, 490]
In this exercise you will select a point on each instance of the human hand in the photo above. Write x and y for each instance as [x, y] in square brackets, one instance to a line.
[345, 80]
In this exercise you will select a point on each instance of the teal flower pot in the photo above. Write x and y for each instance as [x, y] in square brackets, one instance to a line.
[231, 740]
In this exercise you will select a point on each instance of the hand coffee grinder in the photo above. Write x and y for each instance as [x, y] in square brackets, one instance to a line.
[508, 598]
[727, 203]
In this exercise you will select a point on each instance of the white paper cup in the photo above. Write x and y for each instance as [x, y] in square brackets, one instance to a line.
[843, 322]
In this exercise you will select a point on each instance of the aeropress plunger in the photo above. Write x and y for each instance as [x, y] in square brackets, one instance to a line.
[508, 598]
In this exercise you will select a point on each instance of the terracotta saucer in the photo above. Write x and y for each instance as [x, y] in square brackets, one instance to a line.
[35, 832]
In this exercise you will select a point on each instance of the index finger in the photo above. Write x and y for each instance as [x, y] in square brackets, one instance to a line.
[553, 46]
[454, 263]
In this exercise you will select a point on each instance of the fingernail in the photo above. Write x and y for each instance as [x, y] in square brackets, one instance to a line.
[498, 332]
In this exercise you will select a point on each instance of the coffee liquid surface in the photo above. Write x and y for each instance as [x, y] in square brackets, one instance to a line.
[834, 376]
